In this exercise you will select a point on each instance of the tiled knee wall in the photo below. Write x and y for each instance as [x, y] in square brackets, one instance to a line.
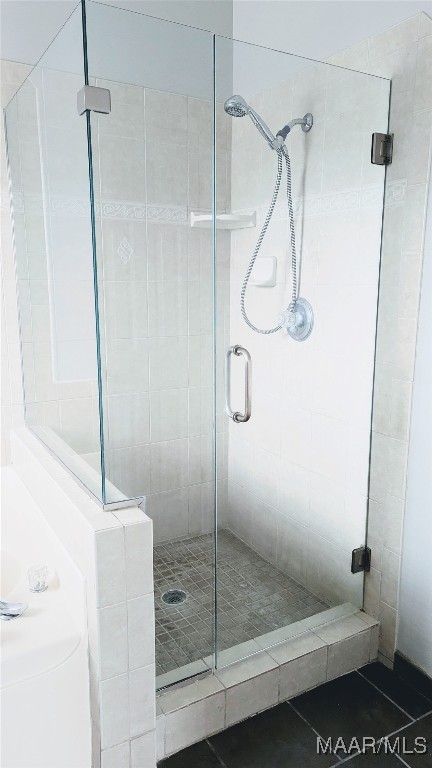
[123, 672]
[187, 715]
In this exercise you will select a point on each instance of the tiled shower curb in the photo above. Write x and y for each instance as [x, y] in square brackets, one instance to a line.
[189, 714]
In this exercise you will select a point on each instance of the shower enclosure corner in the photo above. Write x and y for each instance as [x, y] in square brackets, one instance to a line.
[193, 252]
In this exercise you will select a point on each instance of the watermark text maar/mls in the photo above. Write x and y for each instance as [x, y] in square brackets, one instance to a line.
[389, 745]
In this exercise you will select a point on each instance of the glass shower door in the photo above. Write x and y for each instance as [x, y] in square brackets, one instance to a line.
[294, 403]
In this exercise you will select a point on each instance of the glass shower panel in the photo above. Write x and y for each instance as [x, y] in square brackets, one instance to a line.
[153, 170]
[296, 473]
[47, 152]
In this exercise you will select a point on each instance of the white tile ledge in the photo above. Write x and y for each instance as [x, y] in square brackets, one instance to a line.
[369, 620]
[189, 670]
[171, 701]
[247, 669]
[285, 670]
[341, 629]
[40, 458]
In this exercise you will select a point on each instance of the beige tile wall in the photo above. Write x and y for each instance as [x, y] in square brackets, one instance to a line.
[152, 158]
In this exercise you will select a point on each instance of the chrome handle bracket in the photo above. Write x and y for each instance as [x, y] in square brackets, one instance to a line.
[239, 352]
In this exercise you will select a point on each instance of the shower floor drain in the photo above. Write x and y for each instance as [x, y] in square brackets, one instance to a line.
[174, 597]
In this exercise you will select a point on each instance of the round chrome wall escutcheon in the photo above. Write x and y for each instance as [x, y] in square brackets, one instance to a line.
[302, 329]
[308, 118]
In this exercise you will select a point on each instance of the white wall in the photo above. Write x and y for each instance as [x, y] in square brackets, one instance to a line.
[135, 49]
[318, 28]
[315, 29]
[29, 26]
[415, 608]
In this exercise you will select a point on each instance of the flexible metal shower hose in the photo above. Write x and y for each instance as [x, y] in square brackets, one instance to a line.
[282, 151]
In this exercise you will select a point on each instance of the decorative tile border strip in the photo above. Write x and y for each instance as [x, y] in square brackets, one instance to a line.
[121, 211]
[308, 207]
[338, 202]
[167, 215]
[110, 210]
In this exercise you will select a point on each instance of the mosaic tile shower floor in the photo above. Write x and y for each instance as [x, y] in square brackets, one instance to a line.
[253, 598]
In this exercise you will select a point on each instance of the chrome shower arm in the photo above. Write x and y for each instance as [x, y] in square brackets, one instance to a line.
[306, 123]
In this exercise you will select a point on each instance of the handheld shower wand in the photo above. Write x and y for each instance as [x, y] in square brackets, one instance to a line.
[236, 106]
[297, 318]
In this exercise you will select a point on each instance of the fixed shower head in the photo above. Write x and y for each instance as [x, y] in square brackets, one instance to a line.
[236, 106]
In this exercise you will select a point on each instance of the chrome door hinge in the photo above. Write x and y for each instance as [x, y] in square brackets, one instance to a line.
[382, 148]
[94, 99]
[361, 559]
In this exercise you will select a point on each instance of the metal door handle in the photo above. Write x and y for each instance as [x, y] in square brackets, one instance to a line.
[240, 352]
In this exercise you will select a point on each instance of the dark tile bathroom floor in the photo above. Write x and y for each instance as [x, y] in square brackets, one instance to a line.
[372, 702]
[253, 598]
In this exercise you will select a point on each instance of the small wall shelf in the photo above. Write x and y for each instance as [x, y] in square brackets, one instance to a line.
[223, 220]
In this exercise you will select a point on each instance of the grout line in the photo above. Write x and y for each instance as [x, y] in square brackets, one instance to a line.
[310, 726]
[402, 761]
[386, 697]
[222, 764]
[348, 759]
[359, 754]
[408, 685]
[429, 712]
[404, 727]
